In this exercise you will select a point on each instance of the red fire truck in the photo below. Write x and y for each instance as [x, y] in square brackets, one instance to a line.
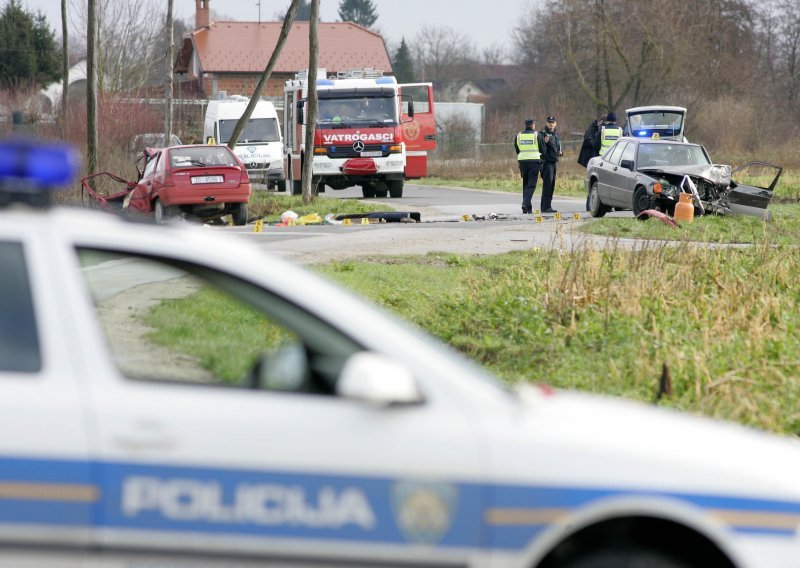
[370, 131]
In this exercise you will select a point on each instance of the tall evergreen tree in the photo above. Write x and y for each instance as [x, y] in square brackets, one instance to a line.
[361, 12]
[304, 11]
[402, 64]
[28, 49]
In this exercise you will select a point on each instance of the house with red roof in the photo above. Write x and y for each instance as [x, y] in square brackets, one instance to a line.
[231, 56]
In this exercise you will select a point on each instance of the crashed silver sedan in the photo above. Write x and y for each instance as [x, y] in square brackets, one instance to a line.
[645, 174]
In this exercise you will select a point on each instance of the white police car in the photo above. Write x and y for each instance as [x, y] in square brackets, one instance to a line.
[335, 435]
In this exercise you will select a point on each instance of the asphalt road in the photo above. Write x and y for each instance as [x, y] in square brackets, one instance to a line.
[441, 228]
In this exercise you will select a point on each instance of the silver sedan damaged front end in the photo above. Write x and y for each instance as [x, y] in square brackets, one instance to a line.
[717, 188]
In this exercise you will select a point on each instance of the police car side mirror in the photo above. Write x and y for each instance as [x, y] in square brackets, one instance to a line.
[378, 380]
[627, 164]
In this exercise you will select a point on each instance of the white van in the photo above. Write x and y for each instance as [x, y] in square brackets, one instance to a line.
[260, 145]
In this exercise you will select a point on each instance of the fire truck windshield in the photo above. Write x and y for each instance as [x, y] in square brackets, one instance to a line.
[358, 110]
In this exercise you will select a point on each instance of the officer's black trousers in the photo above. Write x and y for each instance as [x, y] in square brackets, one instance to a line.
[548, 184]
[529, 170]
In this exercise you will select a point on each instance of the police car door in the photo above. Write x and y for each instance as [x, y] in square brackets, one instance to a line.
[47, 490]
[221, 432]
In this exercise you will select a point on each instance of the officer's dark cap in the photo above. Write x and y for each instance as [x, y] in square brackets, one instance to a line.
[611, 117]
[551, 119]
[530, 121]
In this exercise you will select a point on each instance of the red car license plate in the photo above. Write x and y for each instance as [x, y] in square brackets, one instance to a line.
[207, 179]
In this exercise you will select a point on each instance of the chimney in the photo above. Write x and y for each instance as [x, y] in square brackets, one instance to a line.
[201, 19]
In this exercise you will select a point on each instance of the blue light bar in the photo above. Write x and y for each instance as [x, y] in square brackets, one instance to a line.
[387, 80]
[324, 82]
[37, 164]
[642, 133]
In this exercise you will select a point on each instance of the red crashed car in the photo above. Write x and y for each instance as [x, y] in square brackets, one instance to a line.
[202, 181]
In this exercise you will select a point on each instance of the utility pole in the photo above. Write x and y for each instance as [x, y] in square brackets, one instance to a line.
[91, 88]
[169, 81]
[311, 105]
[64, 69]
[259, 11]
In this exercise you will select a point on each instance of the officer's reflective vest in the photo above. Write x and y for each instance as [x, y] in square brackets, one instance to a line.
[609, 135]
[528, 146]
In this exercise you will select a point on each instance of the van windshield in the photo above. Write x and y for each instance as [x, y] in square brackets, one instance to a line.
[257, 130]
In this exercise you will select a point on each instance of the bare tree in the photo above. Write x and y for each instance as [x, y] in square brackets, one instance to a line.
[442, 53]
[788, 50]
[128, 35]
[248, 112]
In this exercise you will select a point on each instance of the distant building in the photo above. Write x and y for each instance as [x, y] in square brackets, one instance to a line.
[230, 57]
[51, 95]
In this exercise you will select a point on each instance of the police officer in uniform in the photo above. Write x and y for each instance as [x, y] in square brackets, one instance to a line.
[608, 134]
[528, 158]
[550, 150]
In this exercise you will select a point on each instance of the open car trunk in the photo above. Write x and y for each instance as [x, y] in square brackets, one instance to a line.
[658, 122]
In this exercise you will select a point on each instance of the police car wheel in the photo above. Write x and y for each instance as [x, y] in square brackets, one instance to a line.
[368, 190]
[633, 558]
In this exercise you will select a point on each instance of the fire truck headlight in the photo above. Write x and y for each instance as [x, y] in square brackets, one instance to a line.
[320, 150]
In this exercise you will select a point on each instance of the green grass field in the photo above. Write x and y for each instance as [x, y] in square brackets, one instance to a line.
[724, 321]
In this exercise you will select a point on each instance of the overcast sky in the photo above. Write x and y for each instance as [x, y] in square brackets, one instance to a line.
[487, 22]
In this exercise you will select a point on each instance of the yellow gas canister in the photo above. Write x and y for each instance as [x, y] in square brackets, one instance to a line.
[684, 209]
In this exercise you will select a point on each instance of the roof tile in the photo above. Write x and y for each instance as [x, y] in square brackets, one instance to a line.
[245, 47]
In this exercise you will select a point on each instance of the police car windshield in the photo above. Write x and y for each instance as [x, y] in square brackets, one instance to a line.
[656, 155]
[256, 130]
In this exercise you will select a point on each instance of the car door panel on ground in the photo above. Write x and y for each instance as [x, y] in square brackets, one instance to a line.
[230, 469]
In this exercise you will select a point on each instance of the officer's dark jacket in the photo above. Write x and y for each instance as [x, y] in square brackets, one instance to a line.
[550, 149]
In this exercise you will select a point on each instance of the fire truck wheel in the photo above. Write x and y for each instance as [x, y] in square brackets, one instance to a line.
[396, 188]
[381, 189]
[368, 190]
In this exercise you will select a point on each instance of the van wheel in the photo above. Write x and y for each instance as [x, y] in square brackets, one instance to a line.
[239, 213]
[368, 190]
[396, 188]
